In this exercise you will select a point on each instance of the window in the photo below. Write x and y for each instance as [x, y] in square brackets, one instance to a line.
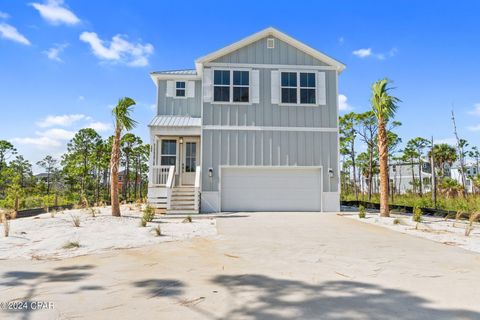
[270, 43]
[180, 89]
[289, 87]
[190, 156]
[240, 86]
[298, 87]
[168, 153]
[231, 86]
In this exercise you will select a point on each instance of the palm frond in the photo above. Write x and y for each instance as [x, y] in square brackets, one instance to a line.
[384, 105]
[122, 113]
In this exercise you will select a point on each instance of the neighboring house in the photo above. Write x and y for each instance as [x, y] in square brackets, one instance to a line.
[42, 176]
[131, 182]
[401, 178]
[254, 127]
[470, 172]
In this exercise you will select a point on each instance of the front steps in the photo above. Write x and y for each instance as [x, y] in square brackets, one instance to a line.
[182, 199]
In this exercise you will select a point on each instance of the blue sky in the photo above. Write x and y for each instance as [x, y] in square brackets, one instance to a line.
[63, 64]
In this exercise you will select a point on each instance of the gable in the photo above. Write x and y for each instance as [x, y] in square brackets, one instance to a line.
[282, 53]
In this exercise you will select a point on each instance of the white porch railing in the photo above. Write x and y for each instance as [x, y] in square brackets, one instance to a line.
[197, 188]
[160, 175]
[170, 183]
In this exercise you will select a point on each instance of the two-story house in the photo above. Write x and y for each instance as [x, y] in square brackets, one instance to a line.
[254, 127]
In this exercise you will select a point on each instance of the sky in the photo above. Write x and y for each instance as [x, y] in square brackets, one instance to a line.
[64, 64]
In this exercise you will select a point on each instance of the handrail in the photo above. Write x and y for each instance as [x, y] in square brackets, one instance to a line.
[197, 187]
[169, 185]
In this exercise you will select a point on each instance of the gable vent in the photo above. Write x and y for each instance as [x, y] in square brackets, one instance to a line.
[270, 43]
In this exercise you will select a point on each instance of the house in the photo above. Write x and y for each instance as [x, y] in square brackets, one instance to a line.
[402, 175]
[471, 171]
[254, 127]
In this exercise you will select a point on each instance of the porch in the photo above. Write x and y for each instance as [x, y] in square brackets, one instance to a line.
[175, 171]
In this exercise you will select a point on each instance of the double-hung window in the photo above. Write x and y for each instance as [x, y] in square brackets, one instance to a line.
[298, 88]
[168, 156]
[232, 86]
[180, 89]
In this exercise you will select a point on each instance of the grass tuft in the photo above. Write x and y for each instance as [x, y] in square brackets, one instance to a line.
[76, 221]
[417, 214]
[188, 219]
[148, 213]
[71, 245]
[143, 223]
[158, 231]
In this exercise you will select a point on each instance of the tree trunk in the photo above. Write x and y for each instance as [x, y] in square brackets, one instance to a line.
[420, 190]
[412, 167]
[355, 187]
[114, 162]
[383, 155]
[370, 173]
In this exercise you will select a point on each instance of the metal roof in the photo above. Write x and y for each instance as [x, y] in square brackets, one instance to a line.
[179, 72]
[175, 121]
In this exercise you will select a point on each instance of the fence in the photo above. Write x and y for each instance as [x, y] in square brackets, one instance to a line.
[37, 211]
[409, 209]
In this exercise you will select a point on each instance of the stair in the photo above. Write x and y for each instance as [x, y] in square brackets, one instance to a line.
[182, 201]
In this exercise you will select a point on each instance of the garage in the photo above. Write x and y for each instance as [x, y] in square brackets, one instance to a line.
[271, 189]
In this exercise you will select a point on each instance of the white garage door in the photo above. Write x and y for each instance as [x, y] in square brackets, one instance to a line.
[271, 189]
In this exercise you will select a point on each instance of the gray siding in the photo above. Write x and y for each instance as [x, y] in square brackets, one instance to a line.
[179, 106]
[258, 52]
[267, 114]
[268, 148]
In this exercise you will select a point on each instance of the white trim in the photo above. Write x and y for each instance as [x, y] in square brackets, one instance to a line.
[231, 86]
[279, 35]
[156, 77]
[270, 43]
[220, 167]
[267, 66]
[176, 131]
[268, 128]
[184, 89]
[298, 88]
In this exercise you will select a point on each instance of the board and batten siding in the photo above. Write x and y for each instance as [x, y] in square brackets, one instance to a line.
[179, 106]
[282, 53]
[310, 136]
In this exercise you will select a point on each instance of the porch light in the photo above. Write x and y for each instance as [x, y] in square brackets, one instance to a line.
[181, 140]
[330, 172]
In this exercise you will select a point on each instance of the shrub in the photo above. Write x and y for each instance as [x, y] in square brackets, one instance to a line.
[417, 214]
[188, 219]
[76, 221]
[71, 245]
[148, 213]
[143, 222]
[361, 212]
[158, 231]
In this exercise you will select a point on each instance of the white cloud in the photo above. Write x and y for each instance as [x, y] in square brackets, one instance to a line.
[63, 120]
[363, 53]
[4, 15]
[54, 52]
[476, 109]
[57, 134]
[43, 143]
[118, 49]
[474, 128]
[10, 32]
[368, 52]
[343, 103]
[451, 141]
[55, 13]
[99, 126]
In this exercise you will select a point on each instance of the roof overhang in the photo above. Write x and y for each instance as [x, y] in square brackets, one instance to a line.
[165, 76]
[277, 34]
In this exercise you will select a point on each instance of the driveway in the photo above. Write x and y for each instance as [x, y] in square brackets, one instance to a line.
[261, 266]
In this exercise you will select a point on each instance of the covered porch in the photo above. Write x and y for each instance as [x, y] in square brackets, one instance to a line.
[175, 171]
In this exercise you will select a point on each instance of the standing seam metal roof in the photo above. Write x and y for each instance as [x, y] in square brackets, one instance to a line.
[175, 121]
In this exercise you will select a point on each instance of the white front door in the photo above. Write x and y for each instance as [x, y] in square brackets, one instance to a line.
[190, 157]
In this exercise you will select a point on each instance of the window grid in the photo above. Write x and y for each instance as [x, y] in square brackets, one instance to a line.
[180, 89]
[306, 88]
[220, 96]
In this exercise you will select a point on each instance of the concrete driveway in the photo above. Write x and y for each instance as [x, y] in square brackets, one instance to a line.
[261, 266]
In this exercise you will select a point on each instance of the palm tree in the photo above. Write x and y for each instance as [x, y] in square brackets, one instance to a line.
[121, 115]
[384, 106]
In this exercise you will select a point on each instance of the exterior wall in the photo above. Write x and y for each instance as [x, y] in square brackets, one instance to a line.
[179, 106]
[259, 144]
[283, 53]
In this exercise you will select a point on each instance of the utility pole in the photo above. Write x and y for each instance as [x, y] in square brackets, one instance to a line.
[434, 178]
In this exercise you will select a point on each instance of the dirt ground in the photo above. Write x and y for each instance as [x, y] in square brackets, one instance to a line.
[261, 266]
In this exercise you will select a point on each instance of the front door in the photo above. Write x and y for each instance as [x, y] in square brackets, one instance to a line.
[190, 156]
